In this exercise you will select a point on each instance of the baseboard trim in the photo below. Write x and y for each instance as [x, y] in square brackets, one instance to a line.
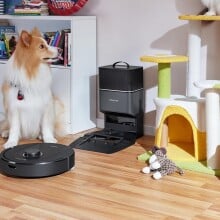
[100, 123]
[148, 130]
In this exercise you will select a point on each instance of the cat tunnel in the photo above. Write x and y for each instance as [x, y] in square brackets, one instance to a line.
[180, 123]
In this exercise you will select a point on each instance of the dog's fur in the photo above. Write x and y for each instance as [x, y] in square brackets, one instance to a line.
[213, 6]
[27, 96]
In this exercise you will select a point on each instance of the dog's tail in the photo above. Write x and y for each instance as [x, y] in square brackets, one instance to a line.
[60, 127]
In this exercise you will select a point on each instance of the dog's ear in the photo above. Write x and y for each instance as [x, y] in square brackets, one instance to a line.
[26, 38]
[35, 32]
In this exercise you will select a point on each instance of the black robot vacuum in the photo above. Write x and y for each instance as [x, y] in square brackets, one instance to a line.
[36, 160]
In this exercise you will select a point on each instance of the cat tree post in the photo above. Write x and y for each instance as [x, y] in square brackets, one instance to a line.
[164, 82]
[194, 51]
[213, 128]
[194, 54]
[212, 97]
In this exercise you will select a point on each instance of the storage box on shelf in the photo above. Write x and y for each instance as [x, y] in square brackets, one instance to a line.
[75, 85]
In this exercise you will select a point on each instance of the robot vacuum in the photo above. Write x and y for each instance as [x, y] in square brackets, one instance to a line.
[36, 160]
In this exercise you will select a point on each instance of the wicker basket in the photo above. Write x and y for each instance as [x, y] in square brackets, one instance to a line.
[65, 7]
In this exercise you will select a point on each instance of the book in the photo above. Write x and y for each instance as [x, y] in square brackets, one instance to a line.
[3, 51]
[61, 42]
[49, 36]
[55, 39]
[69, 44]
[10, 5]
[65, 52]
[10, 42]
[60, 39]
[61, 45]
[6, 29]
[4, 23]
[34, 2]
[27, 9]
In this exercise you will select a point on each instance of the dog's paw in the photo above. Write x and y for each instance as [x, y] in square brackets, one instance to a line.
[5, 134]
[10, 144]
[40, 137]
[50, 140]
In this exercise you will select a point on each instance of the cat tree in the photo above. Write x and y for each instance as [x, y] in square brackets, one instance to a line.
[185, 124]
[210, 87]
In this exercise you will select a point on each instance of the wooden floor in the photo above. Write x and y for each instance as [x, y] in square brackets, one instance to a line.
[110, 187]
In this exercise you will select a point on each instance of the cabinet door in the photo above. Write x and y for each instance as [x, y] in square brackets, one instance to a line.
[61, 90]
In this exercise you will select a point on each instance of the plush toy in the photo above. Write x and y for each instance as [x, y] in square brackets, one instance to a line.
[160, 164]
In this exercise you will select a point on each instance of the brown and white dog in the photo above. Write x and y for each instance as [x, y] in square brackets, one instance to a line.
[28, 100]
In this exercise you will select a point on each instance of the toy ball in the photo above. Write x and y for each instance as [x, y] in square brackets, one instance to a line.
[65, 7]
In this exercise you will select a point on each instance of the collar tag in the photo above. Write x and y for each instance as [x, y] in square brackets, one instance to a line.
[20, 95]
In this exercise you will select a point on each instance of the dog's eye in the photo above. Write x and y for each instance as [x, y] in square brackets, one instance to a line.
[41, 46]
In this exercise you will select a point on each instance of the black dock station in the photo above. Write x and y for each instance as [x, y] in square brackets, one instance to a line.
[121, 99]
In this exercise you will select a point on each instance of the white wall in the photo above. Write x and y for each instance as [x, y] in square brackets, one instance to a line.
[128, 29]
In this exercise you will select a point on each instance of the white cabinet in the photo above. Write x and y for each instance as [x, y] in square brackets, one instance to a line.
[62, 90]
[75, 85]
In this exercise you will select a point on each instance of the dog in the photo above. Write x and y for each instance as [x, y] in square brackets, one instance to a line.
[30, 108]
[213, 7]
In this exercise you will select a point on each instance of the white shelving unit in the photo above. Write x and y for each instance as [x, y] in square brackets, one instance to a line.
[75, 85]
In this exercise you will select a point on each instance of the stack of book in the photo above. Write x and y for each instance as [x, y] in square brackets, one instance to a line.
[44, 9]
[27, 7]
[27, 10]
[61, 39]
[8, 41]
[10, 5]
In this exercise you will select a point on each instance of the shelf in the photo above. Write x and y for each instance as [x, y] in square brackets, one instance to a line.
[61, 18]
[60, 66]
[199, 18]
[52, 66]
[3, 61]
